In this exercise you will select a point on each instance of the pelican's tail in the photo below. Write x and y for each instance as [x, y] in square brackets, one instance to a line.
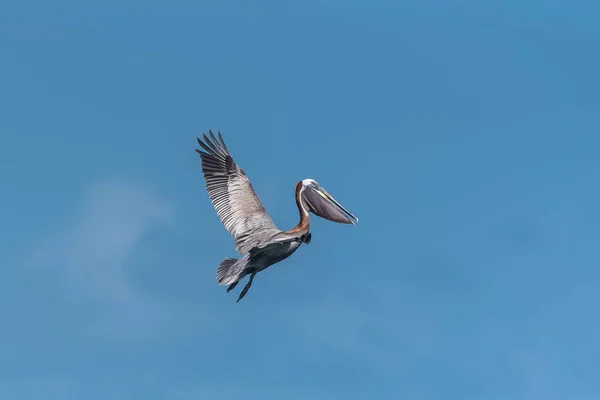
[231, 270]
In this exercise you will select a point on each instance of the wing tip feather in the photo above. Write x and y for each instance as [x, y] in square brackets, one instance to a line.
[213, 145]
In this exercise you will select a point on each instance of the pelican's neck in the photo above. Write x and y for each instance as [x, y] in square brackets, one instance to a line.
[304, 224]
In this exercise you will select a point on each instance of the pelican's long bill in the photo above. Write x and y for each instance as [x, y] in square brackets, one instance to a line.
[322, 204]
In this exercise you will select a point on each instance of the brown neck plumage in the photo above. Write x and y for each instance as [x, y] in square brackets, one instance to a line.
[304, 224]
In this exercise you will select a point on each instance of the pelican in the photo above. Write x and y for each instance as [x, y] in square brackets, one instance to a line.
[259, 242]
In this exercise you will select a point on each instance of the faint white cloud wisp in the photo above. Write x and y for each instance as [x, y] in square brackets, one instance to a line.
[91, 252]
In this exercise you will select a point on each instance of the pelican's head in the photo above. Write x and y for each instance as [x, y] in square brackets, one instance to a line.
[322, 204]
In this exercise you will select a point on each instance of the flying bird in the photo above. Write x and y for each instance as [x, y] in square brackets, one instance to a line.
[259, 242]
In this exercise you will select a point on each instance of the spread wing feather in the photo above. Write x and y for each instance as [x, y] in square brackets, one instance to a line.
[233, 196]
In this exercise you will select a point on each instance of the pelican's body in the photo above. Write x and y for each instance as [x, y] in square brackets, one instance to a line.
[257, 239]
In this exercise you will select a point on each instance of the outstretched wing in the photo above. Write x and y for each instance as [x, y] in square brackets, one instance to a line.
[233, 196]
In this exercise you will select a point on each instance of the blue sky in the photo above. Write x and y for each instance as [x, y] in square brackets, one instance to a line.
[465, 137]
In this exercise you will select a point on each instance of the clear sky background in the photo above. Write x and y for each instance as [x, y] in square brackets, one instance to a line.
[465, 136]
